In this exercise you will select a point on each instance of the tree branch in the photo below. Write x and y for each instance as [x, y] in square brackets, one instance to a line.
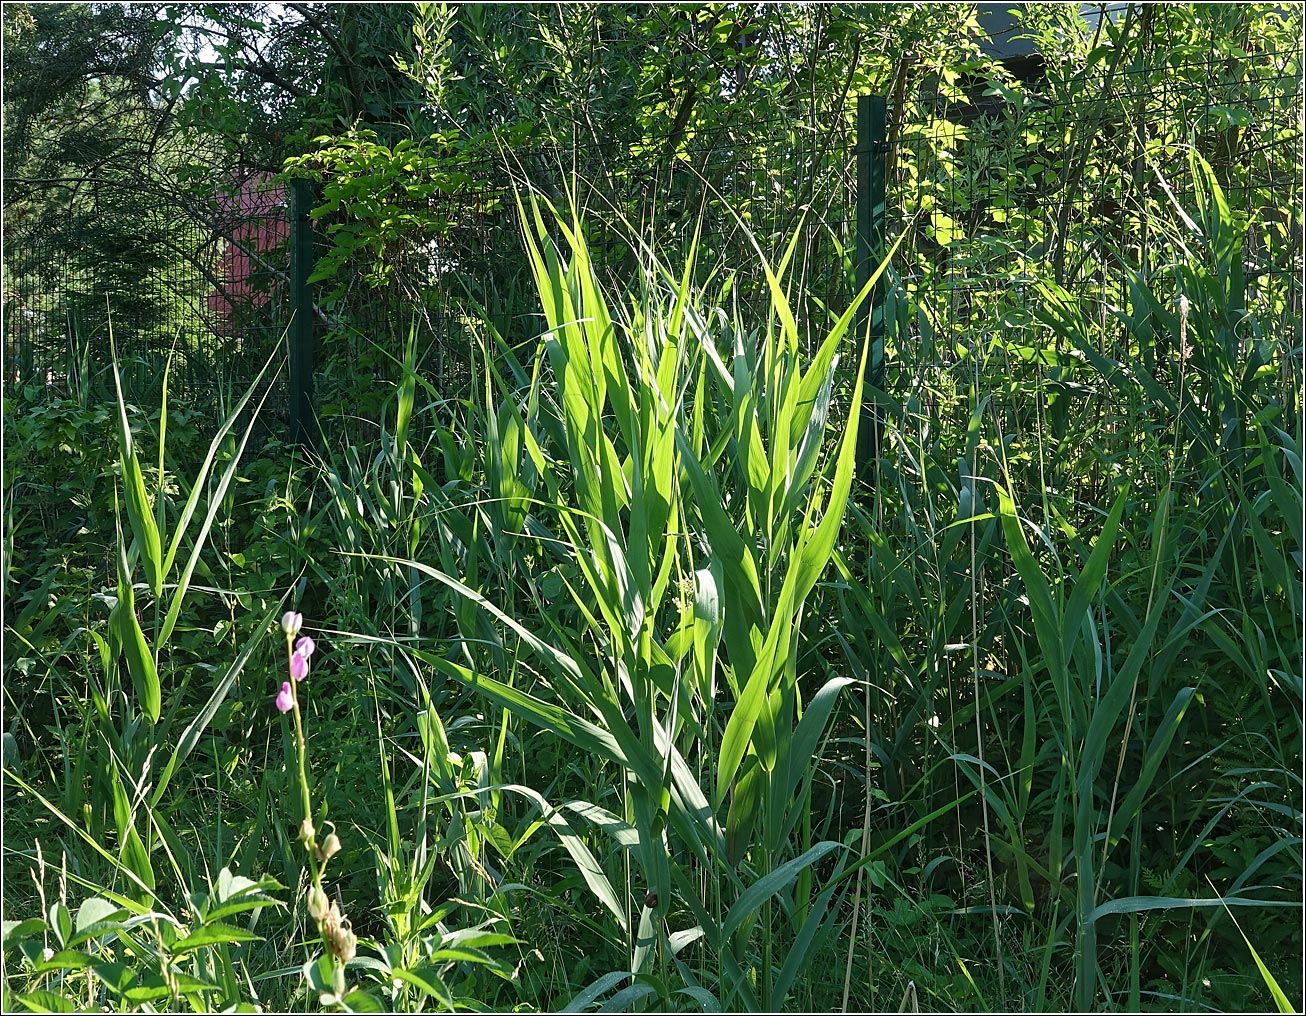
[346, 59]
[263, 72]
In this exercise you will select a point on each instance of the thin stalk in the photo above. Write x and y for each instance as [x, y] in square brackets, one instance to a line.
[979, 747]
[317, 858]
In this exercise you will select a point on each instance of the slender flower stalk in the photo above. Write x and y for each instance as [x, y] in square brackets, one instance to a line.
[333, 926]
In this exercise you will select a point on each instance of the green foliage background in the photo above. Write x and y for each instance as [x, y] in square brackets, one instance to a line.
[630, 691]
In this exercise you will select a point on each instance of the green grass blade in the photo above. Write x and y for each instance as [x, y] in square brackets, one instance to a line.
[126, 629]
[143, 524]
[196, 727]
[1281, 1001]
[1089, 583]
[1142, 904]
[215, 505]
[770, 884]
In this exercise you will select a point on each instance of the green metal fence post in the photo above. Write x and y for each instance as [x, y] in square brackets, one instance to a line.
[303, 420]
[871, 156]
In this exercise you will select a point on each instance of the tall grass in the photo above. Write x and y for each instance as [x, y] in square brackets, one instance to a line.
[1102, 672]
[633, 696]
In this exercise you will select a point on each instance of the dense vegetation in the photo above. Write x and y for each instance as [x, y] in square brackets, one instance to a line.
[585, 662]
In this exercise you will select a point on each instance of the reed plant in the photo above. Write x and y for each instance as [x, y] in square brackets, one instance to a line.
[691, 502]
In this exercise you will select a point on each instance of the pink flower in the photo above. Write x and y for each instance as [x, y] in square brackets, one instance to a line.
[298, 665]
[305, 647]
[291, 622]
[285, 698]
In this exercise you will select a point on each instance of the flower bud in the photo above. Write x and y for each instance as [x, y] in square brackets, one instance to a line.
[291, 622]
[340, 938]
[306, 831]
[345, 944]
[317, 903]
[329, 848]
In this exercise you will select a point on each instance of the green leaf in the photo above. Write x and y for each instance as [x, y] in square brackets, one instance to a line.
[768, 885]
[94, 911]
[428, 981]
[1157, 752]
[590, 868]
[153, 987]
[359, 1000]
[607, 982]
[126, 630]
[1140, 904]
[1281, 1001]
[118, 977]
[618, 739]
[815, 929]
[134, 855]
[142, 521]
[16, 931]
[61, 923]
[213, 933]
[216, 498]
[572, 728]
[1088, 585]
[745, 803]
[807, 735]
[1043, 603]
[755, 697]
[47, 1001]
[64, 959]
[1111, 706]
[191, 735]
[231, 885]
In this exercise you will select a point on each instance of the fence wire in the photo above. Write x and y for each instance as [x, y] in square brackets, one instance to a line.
[996, 188]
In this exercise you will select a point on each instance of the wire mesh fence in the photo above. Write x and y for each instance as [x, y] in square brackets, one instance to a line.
[196, 289]
[1093, 185]
[1078, 177]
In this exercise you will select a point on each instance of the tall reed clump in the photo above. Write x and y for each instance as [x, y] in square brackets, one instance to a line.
[1199, 612]
[668, 475]
[1095, 628]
